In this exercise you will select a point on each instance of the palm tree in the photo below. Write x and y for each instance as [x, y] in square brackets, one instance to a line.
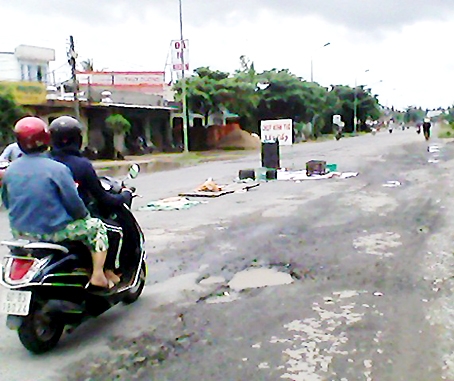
[87, 65]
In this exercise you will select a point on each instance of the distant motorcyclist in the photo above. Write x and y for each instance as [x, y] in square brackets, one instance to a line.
[11, 152]
[66, 143]
[426, 128]
[42, 199]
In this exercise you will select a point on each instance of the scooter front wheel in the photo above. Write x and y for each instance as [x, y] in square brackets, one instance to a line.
[40, 331]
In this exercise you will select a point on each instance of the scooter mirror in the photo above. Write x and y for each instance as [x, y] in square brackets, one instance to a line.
[134, 171]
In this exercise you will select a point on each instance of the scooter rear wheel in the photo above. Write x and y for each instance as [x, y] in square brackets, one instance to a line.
[40, 331]
[133, 294]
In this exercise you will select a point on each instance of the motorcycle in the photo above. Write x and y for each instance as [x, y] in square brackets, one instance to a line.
[47, 283]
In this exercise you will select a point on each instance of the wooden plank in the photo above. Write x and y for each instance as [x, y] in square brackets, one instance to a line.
[227, 189]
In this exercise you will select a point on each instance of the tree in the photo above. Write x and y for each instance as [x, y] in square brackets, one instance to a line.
[275, 94]
[414, 115]
[242, 94]
[205, 91]
[289, 96]
[120, 126]
[10, 113]
[87, 65]
[367, 106]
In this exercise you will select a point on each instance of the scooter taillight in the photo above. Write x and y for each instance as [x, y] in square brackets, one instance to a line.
[20, 267]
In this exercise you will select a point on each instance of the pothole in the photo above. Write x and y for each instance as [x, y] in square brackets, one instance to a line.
[259, 277]
[379, 244]
[372, 202]
[212, 280]
[254, 277]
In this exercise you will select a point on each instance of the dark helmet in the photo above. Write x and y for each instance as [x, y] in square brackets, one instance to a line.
[66, 131]
[32, 134]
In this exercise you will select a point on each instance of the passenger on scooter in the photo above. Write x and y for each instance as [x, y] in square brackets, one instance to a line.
[66, 143]
[43, 202]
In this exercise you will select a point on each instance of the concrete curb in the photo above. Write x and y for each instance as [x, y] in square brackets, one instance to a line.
[155, 163]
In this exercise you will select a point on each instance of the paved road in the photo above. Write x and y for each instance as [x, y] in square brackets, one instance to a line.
[361, 275]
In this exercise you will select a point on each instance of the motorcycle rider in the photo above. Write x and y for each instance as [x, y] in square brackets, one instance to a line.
[426, 128]
[43, 202]
[66, 143]
[11, 152]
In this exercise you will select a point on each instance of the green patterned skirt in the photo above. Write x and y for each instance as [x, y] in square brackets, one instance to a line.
[90, 231]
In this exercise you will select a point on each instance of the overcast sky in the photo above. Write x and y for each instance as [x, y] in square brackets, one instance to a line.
[399, 48]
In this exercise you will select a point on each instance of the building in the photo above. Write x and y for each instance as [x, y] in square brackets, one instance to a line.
[144, 98]
[146, 88]
[26, 64]
[25, 73]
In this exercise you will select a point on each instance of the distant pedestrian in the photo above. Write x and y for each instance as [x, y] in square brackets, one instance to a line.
[11, 153]
[426, 128]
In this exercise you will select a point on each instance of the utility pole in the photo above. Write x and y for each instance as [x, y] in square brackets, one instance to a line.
[183, 86]
[72, 55]
[355, 107]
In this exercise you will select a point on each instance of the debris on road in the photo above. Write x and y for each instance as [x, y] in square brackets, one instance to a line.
[392, 184]
[302, 175]
[246, 174]
[225, 189]
[209, 186]
[170, 203]
[316, 167]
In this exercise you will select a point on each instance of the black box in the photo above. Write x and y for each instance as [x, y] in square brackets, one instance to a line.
[316, 167]
[271, 155]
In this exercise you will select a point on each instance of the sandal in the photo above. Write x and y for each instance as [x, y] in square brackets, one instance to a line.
[92, 288]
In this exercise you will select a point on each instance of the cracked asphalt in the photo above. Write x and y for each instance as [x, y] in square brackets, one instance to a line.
[368, 262]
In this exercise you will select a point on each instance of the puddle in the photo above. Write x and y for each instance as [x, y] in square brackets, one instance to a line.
[212, 280]
[259, 277]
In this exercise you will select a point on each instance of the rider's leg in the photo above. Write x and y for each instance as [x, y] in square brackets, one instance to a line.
[93, 233]
[98, 278]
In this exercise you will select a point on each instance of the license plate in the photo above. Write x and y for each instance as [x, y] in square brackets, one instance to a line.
[15, 302]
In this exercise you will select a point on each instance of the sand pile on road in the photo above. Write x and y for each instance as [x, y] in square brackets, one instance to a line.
[240, 139]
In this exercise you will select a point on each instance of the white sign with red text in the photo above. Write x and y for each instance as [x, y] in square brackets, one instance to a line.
[180, 55]
[281, 129]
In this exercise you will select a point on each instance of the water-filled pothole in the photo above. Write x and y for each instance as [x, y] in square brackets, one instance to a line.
[259, 277]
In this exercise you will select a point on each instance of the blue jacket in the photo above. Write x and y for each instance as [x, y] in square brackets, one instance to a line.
[40, 195]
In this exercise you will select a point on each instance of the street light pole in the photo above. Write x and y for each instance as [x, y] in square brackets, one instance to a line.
[312, 60]
[355, 104]
[183, 86]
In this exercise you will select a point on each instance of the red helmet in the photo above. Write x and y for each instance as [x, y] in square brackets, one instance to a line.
[32, 134]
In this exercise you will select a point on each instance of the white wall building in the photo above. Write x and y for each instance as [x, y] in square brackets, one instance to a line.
[26, 63]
